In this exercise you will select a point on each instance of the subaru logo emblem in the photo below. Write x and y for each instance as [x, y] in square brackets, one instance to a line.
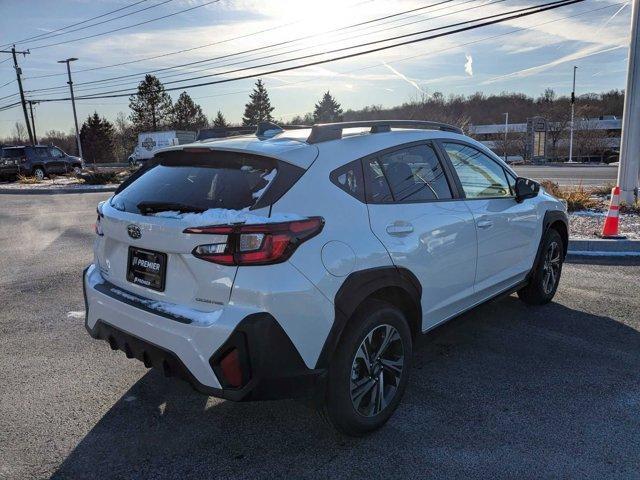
[134, 231]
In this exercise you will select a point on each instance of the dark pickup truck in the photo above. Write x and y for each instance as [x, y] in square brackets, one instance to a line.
[39, 161]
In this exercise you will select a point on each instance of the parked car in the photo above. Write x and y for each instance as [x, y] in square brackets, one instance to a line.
[304, 264]
[41, 160]
[8, 165]
[151, 142]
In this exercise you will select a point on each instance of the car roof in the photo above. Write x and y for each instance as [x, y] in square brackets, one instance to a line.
[291, 145]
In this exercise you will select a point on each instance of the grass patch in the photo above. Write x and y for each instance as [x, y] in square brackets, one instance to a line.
[577, 198]
[603, 190]
[100, 178]
[28, 180]
[633, 208]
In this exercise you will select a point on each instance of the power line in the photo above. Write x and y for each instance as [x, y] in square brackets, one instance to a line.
[125, 27]
[511, 16]
[104, 21]
[8, 83]
[75, 24]
[215, 59]
[336, 50]
[245, 36]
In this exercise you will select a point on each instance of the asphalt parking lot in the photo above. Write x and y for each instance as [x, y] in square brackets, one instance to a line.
[504, 391]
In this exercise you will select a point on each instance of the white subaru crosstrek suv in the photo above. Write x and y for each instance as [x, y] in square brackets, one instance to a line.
[303, 263]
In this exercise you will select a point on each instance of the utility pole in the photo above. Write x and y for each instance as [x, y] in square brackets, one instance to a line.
[73, 102]
[506, 130]
[573, 113]
[33, 121]
[630, 143]
[19, 77]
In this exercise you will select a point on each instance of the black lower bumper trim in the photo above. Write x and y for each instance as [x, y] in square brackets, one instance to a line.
[287, 380]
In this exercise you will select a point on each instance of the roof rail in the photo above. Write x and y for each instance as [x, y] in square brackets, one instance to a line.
[333, 131]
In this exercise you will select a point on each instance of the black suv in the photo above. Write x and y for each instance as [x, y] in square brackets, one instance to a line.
[41, 161]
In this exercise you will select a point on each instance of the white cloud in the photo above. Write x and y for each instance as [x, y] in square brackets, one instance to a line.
[468, 66]
[404, 77]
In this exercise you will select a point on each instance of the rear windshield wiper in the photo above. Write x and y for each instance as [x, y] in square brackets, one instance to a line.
[153, 207]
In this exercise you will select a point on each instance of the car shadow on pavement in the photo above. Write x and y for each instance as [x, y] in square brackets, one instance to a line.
[504, 391]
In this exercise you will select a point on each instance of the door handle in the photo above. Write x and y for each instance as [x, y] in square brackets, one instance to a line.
[399, 228]
[484, 224]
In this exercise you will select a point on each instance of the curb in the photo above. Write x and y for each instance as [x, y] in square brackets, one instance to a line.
[54, 191]
[604, 248]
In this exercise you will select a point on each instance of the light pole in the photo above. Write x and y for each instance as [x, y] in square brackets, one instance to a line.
[573, 112]
[73, 102]
[630, 143]
[506, 130]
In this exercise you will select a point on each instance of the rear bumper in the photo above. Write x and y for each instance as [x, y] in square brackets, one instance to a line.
[8, 170]
[271, 365]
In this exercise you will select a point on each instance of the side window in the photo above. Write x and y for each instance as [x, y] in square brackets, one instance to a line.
[480, 176]
[376, 184]
[55, 153]
[415, 174]
[349, 178]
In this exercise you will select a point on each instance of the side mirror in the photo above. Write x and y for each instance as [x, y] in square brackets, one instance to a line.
[526, 188]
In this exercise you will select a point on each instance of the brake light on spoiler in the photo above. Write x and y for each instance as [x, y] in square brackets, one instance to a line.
[260, 244]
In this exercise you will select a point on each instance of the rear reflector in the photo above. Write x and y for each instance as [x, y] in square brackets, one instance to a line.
[263, 244]
[230, 365]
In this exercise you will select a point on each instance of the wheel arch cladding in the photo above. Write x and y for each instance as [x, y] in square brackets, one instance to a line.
[558, 221]
[397, 286]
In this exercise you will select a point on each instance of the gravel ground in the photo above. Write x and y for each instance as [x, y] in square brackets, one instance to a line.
[587, 224]
[505, 391]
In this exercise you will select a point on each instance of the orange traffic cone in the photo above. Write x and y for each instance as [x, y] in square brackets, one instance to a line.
[610, 229]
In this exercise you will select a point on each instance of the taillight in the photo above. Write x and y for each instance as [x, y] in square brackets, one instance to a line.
[262, 244]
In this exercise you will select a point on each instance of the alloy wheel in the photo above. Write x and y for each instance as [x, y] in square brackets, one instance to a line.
[376, 370]
[551, 267]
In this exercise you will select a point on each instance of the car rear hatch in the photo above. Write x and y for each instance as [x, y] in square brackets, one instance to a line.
[143, 248]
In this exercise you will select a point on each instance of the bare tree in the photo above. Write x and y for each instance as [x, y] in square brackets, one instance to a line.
[19, 132]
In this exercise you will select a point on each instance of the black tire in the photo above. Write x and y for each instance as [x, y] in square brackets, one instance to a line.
[546, 273]
[375, 318]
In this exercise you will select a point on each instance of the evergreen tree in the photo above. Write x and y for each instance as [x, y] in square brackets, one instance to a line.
[96, 137]
[187, 115]
[151, 107]
[220, 121]
[327, 110]
[259, 107]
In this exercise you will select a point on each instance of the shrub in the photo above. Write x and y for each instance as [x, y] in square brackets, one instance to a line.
[577, 198]
[28, 180]
[100, 178]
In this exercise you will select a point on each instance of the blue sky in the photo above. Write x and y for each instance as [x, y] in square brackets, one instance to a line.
[524, 55]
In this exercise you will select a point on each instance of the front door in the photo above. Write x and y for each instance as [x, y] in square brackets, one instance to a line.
[508, 231]
[413, 212]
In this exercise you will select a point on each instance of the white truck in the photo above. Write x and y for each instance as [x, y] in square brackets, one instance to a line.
[150, 142]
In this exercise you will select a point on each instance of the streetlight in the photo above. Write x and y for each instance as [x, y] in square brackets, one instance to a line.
[573, 111]
[506, 129]
[73, 102]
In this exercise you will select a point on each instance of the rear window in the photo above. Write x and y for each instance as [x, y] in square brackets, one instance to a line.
[13, 152]
[200, 180]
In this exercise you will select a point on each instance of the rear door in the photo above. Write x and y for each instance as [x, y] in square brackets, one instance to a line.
[143, 248]
[508, 231]
[414, 212]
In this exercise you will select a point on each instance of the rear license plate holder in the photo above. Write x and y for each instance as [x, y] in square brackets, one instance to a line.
[147, 268]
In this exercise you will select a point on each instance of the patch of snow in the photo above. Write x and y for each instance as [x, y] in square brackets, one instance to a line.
[268, 177]
[223, 216]
[75, 314]
[197, 317]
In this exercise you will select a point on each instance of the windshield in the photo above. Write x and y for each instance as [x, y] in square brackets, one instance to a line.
[195, 182]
